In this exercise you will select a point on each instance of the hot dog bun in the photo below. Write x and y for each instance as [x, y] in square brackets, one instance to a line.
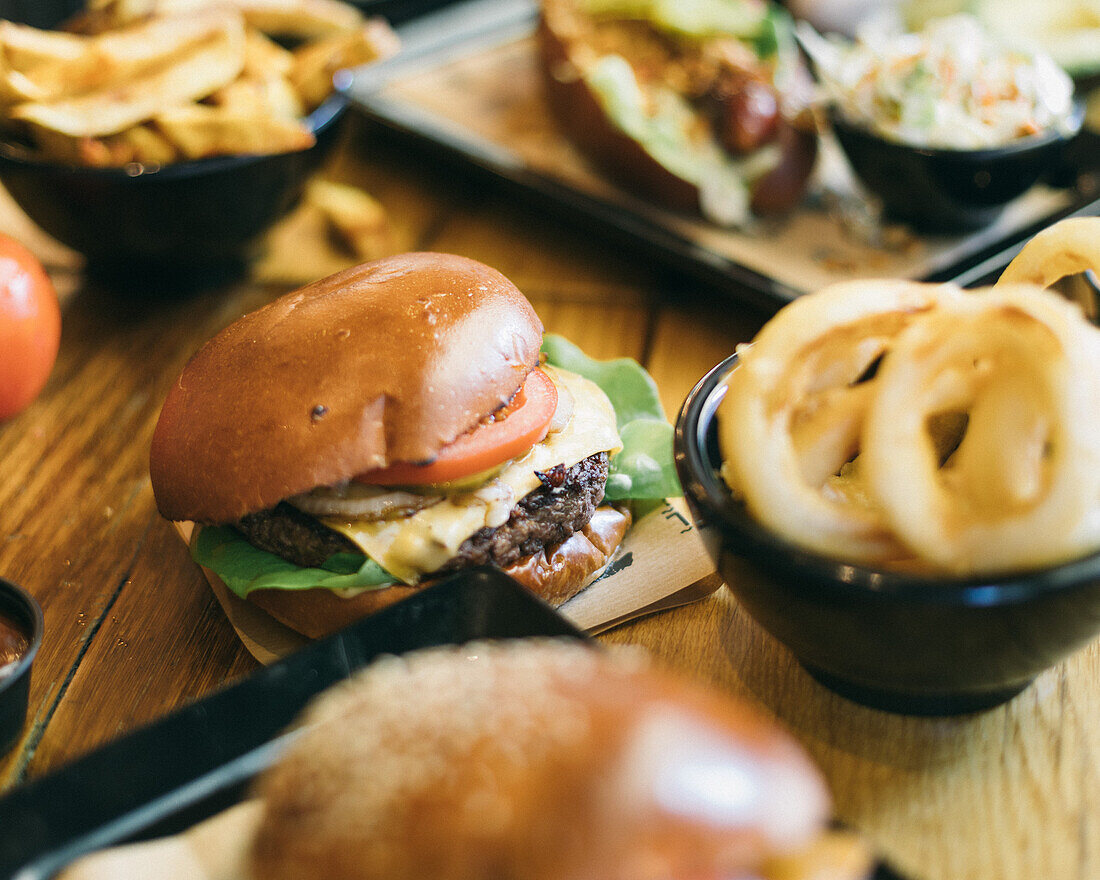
[734, 113]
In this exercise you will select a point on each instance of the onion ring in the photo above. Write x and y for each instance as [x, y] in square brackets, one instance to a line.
[794, 411]
[1023, 488]
[1066, 248]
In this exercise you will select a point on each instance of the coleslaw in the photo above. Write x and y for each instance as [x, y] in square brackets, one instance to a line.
[950, 86]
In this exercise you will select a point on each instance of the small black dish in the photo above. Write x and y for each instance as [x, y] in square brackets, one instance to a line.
[187, 215]
[905, 643]
[943, 190]
[19, 610]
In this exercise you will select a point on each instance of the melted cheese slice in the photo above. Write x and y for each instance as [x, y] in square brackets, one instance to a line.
[413, 546]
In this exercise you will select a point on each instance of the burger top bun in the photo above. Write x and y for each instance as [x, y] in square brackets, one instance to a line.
[384, 362]
[531, 760]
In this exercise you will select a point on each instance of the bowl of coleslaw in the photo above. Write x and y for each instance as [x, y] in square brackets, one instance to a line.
[945, 126]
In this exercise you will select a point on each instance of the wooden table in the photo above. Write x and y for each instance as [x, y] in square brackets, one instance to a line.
[132, 630]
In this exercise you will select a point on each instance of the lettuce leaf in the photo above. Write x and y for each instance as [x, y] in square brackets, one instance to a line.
[642, 474]
[627, 385]
[644, 470]
[245, 568]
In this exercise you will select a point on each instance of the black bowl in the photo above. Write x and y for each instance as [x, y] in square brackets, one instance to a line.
[906, 643]
[942, 190]
[18, 607]
[185, 215]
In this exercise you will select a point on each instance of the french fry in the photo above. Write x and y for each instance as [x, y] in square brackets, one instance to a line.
[314, 240]
[199, 131]
[16, 87]
[357, 218]
[303, 19]
[200, 70]
[155, 81]
[263, 56]
[63, 65]
[26, 47]
[103, 15]
[98, 16]
[140, 143]
[143, 144]
[257, 95]
[317, 61]
[74, 151]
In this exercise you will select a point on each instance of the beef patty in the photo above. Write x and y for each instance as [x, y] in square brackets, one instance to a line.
[561, 506]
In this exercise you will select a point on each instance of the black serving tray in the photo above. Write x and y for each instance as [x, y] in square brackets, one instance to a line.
[163, 778]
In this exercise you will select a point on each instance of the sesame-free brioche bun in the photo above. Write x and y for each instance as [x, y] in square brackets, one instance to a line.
[382, 363]
[532, 760]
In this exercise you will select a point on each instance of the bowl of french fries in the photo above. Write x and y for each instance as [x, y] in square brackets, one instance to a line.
[174, 132]
[901, 481]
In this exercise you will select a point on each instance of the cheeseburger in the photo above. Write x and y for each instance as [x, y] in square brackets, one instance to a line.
[382, 427]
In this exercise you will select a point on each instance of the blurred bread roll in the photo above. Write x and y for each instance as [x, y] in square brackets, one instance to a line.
[532, 760]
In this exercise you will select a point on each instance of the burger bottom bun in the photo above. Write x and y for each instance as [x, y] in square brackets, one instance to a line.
[317, 613]
[554, 574]
[558, 574]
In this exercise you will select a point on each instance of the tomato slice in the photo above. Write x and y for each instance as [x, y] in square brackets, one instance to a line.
[510, 432]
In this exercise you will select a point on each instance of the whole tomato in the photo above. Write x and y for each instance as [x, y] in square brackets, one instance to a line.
[30, 327]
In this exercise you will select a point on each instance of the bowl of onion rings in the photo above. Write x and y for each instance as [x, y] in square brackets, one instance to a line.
[901, 483]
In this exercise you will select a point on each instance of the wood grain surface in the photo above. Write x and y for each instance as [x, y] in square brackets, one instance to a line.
[133, 631]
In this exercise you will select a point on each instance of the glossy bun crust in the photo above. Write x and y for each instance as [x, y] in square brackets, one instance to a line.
[555, 575]
[384, 362]
[578, 114]
[564, 53]
[532, 760]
